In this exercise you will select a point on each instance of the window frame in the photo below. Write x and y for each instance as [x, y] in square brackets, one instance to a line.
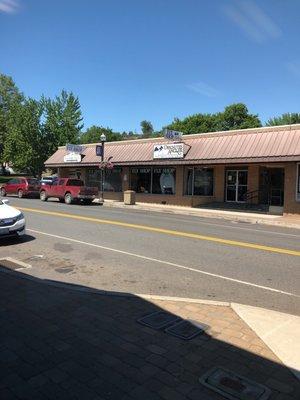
[193, 168]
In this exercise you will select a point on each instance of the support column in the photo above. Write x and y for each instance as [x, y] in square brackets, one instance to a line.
[253, 182]
[219, 183]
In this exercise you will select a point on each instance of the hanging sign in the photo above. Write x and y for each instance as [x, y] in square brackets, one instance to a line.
[172, 135]
[174, 150]
[72, 158]
[75, 148]
[99, 150]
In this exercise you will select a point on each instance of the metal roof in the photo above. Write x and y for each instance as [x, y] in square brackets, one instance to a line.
[268, 144]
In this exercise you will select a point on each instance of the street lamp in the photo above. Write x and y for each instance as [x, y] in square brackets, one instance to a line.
[103, 140]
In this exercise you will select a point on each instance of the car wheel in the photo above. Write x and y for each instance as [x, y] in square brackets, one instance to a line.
[43, 196]
[20, 193]
[68, 198]
[3, 192]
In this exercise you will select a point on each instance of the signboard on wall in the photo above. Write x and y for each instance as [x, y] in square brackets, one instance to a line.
[72, 158]
[162, 151]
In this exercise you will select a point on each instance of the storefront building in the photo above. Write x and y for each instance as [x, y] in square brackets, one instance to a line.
[252, 168]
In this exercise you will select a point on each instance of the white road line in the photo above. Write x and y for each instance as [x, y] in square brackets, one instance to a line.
[179, 266]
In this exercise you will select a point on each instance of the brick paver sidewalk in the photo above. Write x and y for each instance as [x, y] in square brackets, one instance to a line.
[58, 343]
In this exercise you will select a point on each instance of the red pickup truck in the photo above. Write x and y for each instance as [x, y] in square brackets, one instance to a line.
[69, 190]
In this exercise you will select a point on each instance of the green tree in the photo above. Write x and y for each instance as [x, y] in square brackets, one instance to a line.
[284, 119]
[236, 116]
[9, 97]
[26, 146]
[63, 119]
[147, 129]
[92, 135]
[197, 123]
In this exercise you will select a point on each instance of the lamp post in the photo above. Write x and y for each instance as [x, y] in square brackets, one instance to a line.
[103, 140]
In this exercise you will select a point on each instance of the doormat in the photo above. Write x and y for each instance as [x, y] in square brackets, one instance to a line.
[158, 319]
[233, 386]
[186, 329]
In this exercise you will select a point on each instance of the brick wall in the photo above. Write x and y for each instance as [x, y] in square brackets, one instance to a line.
[253, 181]
[291, 206]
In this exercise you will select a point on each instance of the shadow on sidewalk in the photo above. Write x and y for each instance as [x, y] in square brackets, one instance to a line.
[64, 342]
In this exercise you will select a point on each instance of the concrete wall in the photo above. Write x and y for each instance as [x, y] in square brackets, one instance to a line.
[291, 206]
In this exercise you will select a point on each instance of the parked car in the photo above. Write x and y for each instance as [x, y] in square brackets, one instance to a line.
[6, 170]
[21, 187]
[68, 190]
[48, 179]
[12, 221]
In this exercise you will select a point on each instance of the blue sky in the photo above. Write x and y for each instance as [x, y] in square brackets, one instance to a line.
[129, 60]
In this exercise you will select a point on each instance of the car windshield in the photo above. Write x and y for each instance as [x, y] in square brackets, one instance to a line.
[75, 182]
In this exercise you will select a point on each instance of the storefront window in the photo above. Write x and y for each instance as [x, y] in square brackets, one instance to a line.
[112, 179]
[93, 177]
[140, 179]
[199, 181]
[163, 180]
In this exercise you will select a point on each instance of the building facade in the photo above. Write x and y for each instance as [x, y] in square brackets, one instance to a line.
[252, 168]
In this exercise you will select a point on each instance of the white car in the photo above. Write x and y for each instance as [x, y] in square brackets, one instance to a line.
[12, 221]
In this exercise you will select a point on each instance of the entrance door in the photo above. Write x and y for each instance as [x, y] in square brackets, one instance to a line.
[236, 185]
[272, 186]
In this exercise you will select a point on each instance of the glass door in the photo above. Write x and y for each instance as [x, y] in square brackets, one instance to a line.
[236, 185]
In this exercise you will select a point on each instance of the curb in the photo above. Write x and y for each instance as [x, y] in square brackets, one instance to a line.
[79, 288]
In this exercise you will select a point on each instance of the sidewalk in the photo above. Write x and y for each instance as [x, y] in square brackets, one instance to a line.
[289, 221]
[65, 342]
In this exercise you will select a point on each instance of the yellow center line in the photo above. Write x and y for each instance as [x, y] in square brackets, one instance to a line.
[167, 232]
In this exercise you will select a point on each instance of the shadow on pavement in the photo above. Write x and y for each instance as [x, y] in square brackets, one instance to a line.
[64, 342]
[11, 241]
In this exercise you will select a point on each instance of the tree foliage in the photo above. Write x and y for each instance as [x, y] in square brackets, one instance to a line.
[147, 129]
[92, 135]
[284, 119]
[10, 96]
[26, 145]
[63, 119]
[31, 130]
[235, 116]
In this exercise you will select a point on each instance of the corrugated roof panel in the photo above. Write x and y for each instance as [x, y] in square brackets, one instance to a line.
[290, 145]
[281, 144]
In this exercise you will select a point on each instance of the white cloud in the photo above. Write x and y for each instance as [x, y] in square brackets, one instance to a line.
[250, 18]
[9, 6]
[293, 67]
[203, 88]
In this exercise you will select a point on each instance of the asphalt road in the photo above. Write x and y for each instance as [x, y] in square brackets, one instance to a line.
[156, 253]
